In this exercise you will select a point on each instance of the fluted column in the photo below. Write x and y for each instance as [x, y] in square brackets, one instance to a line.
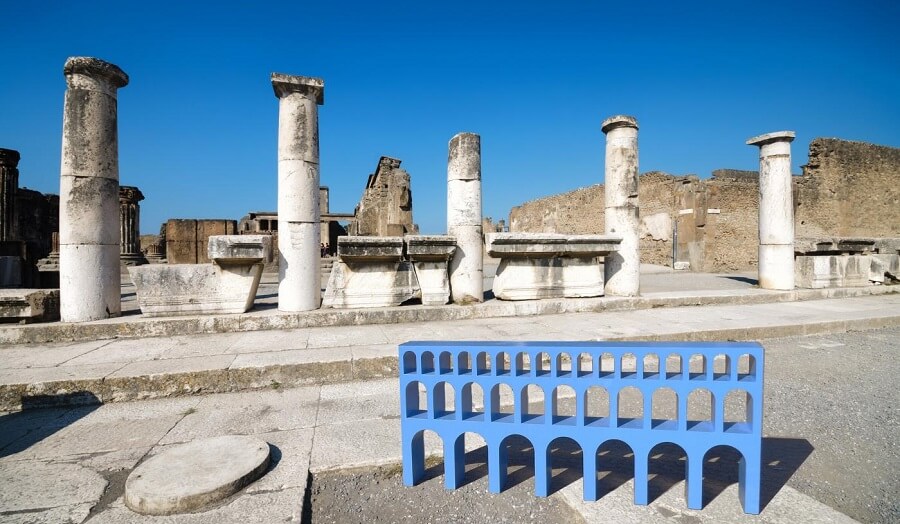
[299, 216]
[776, 210]
[89, 274]
[622, 214]
[464, 218]
[130, 225]
[9, 186]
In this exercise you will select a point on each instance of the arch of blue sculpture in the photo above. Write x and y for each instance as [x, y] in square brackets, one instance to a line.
[462, 365]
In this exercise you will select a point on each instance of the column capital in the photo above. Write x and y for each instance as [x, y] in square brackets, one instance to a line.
[97, 69]
[9, 157]
[309, 86]
[617, 121]
[771, 138]
[130, 194]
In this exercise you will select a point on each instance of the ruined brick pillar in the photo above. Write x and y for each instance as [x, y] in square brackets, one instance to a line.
[622, 212]
[299, 216]
[464, 218]
[776, 210]
[130, 225]
[9, 186]
[89, 274]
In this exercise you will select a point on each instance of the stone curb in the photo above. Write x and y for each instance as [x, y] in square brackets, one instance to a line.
[124, 389]
[126, 327]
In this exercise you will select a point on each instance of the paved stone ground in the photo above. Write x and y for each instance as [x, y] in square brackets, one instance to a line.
[831, 425]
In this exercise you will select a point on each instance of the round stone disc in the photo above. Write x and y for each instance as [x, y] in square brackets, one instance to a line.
[190, 476]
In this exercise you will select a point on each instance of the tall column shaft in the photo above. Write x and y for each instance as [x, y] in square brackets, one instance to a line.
[89, 274]
[622, 212]
[776, 210]
[9, 186]
[464, 218]
[299, 216]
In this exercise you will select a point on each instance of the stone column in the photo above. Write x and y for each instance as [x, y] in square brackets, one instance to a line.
[130, 225]
[622, 268]
[776, 211]
[299, 276]
[89, 274]
[9, 186]
[464, 218]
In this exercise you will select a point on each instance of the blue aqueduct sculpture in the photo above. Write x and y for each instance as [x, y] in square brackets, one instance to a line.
[429, 369]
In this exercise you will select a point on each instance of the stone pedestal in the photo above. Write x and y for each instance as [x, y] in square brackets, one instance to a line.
[9, 186]
[544, 265]
[89, 271]
[430, 256]
[370, 272]
[464, 218]
[299, 284]
[776, 211]
[228, 285]
[622, 211]
[130, 226]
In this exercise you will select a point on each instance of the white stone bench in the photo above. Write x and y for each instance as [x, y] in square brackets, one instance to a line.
[227, 285]
[547, 265]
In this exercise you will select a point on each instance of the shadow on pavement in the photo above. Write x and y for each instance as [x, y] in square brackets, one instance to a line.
[21, 430]
[782, 457]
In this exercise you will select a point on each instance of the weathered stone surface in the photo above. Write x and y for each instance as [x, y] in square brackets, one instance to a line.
[776, 215]
[179, 289]
[189, 476]
[430, 255]
[69, 489]
[89, 187]
[885, 268]
[824, 271]
[299, 215]
[833, 246]
[534, 265]
[386, 206]
[29, 305]
[622, 209]
[464, 216]
[370, 283]
[245, 249]
[361, 248]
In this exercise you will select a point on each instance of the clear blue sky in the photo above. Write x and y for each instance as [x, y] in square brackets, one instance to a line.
[198, 123]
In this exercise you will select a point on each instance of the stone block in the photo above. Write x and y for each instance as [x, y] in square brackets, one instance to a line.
[545, 265]
[241, 249]
[183, 289]
[833, 246]
[358, 248]
[370, 283]
[826, 271]
[430, 247]
[430, 255]
[558, 277]
[29, 305]
[885, 268]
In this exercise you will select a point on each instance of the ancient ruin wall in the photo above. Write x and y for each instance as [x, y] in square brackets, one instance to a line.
[732, 242]
[187, 239]
[581, 212]
[849, 189]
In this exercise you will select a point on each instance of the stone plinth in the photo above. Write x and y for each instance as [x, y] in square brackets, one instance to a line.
[885, 268]
[776, 210]
[130, 226]
[370, 272]
[299, 215]
[29, 305]
[537, 265]
[622, 209]
[228, 285]
[825, 271]
[430, 256]
[464, 218]
[89, 273]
